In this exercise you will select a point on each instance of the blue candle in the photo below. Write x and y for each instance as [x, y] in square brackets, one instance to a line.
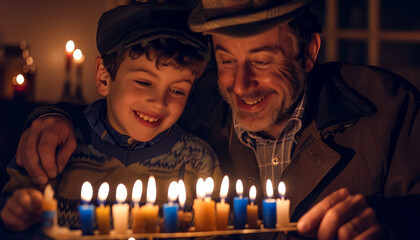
[170, 210]
[239, 207]
[269, 207]
[86, 210]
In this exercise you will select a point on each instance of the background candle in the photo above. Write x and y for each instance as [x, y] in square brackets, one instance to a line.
[49, 208]
[239, 207]
[222, 208]
[149, 211]
[252, 210]
[86, 210]
[283, 207]
[69, 56]
[138, 223]
[170, 209]
[103, 212]
[120, 210]
[184, 218]
[269, 207]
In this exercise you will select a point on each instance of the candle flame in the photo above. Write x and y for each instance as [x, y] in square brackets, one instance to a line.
[201, 193]
[252, 193]
[173, 191]
[103, 191]
[225, 187]
[48, 193]
[209, 186]
[151, 190]
[239, 187]
[182, 193]
[20, 79]
[121, 194]
[70, 46]
[282, 189]
[269, 188]
[87, 191]
[78, 56]
[137, 191]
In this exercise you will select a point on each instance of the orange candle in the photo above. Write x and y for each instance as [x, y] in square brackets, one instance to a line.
[204, 207]
[103, 215]
[149, 211]
[184, 218]
[138, 223]
[222, 208]
[252, 210]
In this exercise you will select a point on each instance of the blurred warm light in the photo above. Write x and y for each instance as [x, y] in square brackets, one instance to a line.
[29, 60]
[25, 53]
[182, 194]
[103, 191]
[225, 187]
[87, 192]
[78, 56]
[137, 191]
[23, 44]
[269, 188]
[282, 189]
[70, 46]
[239, 187]
[199, 190]
[121, 194]
[252, 193]
[173, 192]
[209, 186]
[151, 190]
[20, 79]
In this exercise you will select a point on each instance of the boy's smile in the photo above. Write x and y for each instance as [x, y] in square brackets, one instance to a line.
[144, 100]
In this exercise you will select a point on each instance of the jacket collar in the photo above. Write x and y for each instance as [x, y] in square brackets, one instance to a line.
[336, 102]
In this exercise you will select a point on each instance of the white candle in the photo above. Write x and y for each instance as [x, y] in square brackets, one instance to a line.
[120, 210]
[283, 207]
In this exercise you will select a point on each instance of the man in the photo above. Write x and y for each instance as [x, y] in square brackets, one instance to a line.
[342, 137]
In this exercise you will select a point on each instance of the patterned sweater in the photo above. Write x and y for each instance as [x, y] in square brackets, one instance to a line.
[178, 155]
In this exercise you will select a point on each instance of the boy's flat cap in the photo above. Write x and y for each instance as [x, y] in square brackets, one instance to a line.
[140, 23]
[243, 18]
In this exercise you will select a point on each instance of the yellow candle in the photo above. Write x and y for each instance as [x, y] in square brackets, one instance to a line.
[120, 210]
[149, 211]
[103, 216]
[138, 223]
[222, 208]
[252, 210]
[49, 208]
[204, 209]
[184, 218]
[282, 207]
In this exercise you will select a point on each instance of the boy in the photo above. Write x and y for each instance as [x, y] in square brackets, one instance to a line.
[149, 62]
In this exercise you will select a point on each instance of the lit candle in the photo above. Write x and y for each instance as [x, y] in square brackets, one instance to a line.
[138, 223]
[87, 210]
[78, 59]
[103, 215]
[204, 207]
[239, 207]
[269, 207]
[184, 218]
[69, 56]
[170, 209]
[222, 208]
[149, 210]
[252, 209]
[283, 207]
[120, 210]
[49, 208]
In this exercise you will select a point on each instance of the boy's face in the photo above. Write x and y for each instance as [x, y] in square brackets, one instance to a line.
[143, 100]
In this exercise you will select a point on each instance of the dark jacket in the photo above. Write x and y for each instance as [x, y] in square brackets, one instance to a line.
[361, 131]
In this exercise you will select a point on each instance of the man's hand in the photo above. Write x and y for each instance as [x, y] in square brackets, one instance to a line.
[341, 215]
[22, 210]
[45, 147]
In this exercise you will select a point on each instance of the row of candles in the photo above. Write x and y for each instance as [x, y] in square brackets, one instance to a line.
[208, 215]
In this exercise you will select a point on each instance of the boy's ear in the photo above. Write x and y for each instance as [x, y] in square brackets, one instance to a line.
[312, 52]
[102, 77]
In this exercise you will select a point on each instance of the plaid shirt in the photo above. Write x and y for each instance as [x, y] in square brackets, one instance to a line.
[273, 156]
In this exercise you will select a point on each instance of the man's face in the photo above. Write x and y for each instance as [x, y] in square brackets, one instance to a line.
[259, 77]
[144, 100]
